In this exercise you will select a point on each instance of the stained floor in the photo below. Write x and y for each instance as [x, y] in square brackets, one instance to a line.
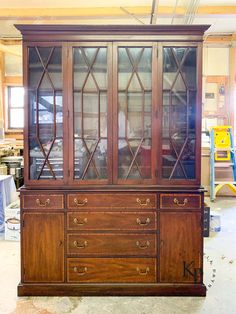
[219, 277]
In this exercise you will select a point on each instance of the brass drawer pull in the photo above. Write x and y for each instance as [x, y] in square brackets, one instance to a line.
[41, 204]
[177, 202]
[143, 202]
[143, 246]
[143, 223]
[79, 202]
[142, 272]
[80, 272]
[80, 246]
[80, 223]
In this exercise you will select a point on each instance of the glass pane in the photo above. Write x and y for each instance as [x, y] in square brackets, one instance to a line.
[179, 105]
[42, 167]
[35, 68]
[17, 118]
[90, 113]
[16, 96]
[189, 68]
[134, 115]
[45, 114]
[55, 68]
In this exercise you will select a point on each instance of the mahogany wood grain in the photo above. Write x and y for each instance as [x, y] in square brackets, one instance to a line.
[180, 201]
[43, 201]
[116, 200]
[111, 270]
[180, 247]
[111, 221]
[109, 289]
[43, 247]
[111, 244]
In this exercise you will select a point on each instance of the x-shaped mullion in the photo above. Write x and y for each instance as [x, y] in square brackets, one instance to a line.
[134, 66]
[178, 158]
[134, 158]
[90, 159]
[179, 65]
[46, 159]
[45, 67]
[90, 66]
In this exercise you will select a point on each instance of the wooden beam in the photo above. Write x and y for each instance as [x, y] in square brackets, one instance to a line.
[9, 50]
[88, 12]
[13, 80]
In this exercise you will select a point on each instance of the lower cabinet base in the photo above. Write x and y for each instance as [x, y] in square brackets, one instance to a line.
[111, 290]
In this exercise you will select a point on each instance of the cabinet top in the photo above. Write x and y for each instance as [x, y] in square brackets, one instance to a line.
[114, 30]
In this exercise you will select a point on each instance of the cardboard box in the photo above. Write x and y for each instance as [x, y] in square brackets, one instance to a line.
[12, 222]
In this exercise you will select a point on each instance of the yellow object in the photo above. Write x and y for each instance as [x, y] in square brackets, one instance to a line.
[230, 185]
[222, 142]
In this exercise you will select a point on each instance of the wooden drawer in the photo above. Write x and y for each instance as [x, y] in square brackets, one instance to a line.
[111, 244]
[180, 201]
[117, 200]
[42, 201]
[111, 220]
[125, 270]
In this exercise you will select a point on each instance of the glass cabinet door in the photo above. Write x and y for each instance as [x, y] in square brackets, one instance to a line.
[45, 113]
[179, 108]
[90, 113]
[134, 113]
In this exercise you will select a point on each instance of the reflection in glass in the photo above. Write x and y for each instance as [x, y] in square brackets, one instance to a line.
[134, 116]
[45, 113]
[90, 112]
[179, 105]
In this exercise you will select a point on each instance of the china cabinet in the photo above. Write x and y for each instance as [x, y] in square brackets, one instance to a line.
[112, 202]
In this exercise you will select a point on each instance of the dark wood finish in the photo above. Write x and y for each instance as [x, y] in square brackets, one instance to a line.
[111, 244]
[43, 247]
[93, 289]
[111, 270]
[42, 201]
[180, 247]
[116, 200]
[180, 201]
[106, 218]
[108, 221]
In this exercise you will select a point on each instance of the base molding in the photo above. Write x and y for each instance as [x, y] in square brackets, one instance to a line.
[111, 290]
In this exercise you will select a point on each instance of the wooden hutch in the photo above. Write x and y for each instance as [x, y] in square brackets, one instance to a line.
[112, 202]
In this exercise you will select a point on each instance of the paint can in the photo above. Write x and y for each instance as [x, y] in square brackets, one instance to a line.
[215, 225]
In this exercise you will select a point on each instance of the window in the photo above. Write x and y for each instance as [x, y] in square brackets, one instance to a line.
[15, 107]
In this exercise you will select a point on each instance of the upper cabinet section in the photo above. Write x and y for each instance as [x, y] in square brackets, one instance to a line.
[112, 105]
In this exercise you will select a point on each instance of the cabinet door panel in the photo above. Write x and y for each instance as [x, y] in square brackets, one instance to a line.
[90, 99]
[43, 247]
[134, 113]
[45, 98]
[180, 247]
[179, 113]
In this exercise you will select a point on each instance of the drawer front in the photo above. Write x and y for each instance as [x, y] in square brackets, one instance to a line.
[42, 201]
[118, 200]
[111, 244]
[111, 270]
[111, 221]
[180, 201]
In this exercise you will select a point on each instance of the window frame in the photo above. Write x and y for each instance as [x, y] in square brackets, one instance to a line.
[8, 107]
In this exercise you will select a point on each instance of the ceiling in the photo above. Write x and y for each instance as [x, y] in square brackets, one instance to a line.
[221, 15]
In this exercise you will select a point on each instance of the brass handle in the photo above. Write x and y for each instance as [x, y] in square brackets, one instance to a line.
[143, 202]
[80, 223]
[177, 202]
[41, 204]
[80, 246]
[79, 202]
[80, 272]
[143, 223]
[143, 246]
[142, 272]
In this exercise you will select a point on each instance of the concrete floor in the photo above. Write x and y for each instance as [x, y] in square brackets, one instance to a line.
[219, 277]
